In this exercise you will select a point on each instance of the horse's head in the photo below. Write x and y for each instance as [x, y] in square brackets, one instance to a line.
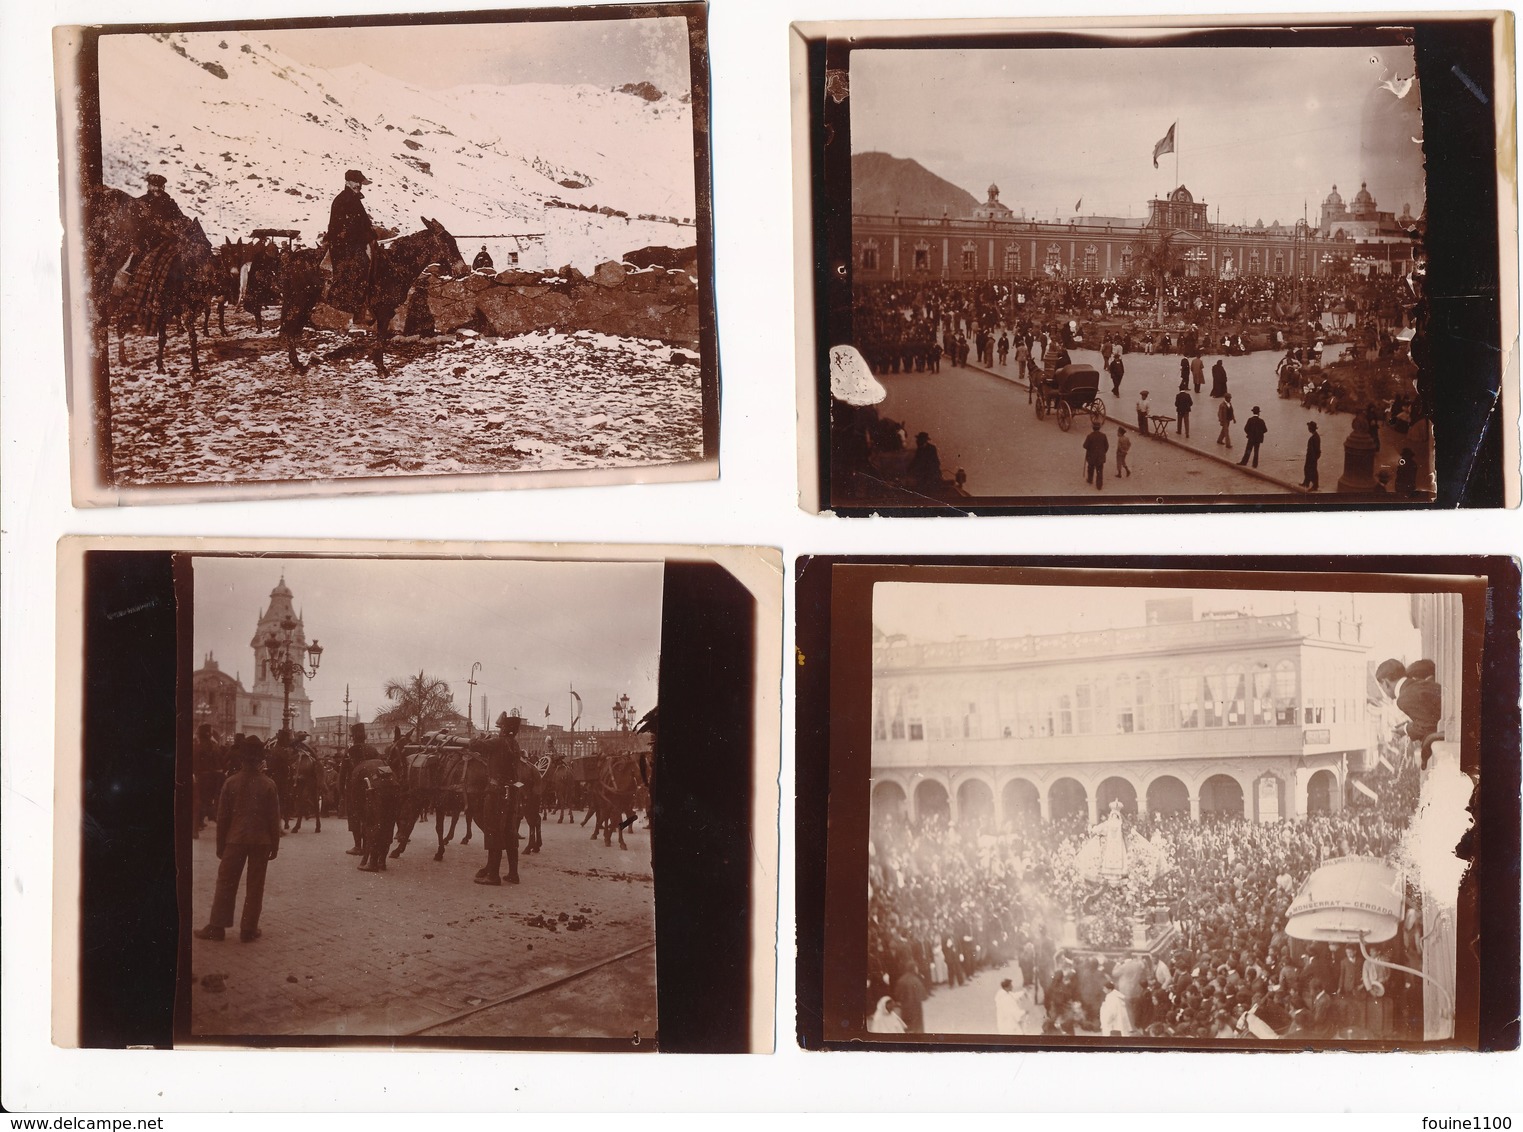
[445, 251]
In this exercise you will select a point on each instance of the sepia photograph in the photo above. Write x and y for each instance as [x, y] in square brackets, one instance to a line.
[1156, 265]
[363, 256]
[426, 797]
[461, 726]
[1104, 807]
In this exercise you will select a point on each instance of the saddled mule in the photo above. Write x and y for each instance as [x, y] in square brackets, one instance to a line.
[111, 227]
[612, 794]
[171, 283]
[561, 789]
[435, 776]
[397, 267]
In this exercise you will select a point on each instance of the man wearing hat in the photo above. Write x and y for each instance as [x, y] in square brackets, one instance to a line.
[483, 261]
[1421, 700]
[1254, 430]
[1096, 445]
[361, 759]
[351, 240]
[248, 833]
[500, 825]
[1313, 455]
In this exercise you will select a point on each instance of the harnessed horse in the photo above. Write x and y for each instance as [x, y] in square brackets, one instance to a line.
[612, 793]
[435, 774]
[394, 271]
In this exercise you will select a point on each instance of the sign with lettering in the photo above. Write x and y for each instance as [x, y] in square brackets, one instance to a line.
[1319, 735]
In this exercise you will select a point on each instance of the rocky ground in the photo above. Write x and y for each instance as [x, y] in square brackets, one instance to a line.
[453, 403]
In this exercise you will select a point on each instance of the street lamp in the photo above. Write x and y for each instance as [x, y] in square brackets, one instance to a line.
[623, 713]
[470, 714]
[287, 660]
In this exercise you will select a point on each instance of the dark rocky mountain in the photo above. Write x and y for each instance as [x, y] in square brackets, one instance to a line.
[881, 183]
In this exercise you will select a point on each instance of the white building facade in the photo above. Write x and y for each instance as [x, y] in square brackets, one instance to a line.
[1262, 717]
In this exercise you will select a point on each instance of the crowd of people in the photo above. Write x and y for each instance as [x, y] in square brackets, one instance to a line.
[949, 900]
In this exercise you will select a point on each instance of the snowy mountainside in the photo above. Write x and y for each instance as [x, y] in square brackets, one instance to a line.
[248, 137]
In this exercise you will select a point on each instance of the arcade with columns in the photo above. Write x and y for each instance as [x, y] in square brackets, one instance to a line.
[1259, 717]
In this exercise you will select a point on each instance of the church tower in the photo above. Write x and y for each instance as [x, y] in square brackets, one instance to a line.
[266, 701]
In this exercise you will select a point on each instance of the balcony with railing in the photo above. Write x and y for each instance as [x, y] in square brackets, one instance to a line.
[1170, 637]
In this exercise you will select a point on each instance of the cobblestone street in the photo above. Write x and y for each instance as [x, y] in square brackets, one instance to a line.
[421, 947]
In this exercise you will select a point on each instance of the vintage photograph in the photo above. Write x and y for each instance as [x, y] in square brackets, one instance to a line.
[319, 257]
[1104, 807]
[421, 799]
[1089, 265]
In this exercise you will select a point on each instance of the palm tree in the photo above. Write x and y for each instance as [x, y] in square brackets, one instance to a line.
[1161, 256]
[420, 704]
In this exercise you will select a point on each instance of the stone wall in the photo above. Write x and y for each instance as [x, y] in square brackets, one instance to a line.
[617, 299]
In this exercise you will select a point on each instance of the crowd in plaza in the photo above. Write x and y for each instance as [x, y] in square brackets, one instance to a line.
[950, 899]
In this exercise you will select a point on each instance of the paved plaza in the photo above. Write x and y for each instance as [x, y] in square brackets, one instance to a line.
[421, 949]
[981, 419]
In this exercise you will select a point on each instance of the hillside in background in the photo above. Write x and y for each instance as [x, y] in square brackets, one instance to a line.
[250, 138]
[882, 183]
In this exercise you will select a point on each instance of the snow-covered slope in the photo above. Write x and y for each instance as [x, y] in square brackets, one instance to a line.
[250, 138]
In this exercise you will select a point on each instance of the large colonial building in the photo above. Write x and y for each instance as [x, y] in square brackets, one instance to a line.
[1263, 717]
[993, 242]
[222, 701]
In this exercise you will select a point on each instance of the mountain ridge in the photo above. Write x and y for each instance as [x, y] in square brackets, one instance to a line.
[882, 184]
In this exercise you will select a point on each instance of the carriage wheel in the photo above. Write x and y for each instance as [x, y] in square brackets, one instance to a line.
[1097, 410]
[1041, 406]
[1065, 415]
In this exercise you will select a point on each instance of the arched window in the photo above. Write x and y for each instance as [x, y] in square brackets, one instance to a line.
[1091, 260]
[1012, 259]
[1189, 701]
[912, 710]
[1263, 697]
[1285, 693]
[1054, 256]
[970, 256]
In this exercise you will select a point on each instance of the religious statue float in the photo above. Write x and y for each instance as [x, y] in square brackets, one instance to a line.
[1107, 882]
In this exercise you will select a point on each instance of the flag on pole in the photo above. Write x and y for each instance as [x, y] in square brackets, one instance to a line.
[547, 711]
[1165, 145]
[1386, 763]
[1366, 791]
[576, 711]
[1077, 203]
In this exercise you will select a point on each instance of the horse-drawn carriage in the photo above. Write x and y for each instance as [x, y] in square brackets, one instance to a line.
[1068, 390]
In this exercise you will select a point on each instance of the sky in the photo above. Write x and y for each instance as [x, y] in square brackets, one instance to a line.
[537, 628]
[927, 611]
[1260, 130]
[604, 53]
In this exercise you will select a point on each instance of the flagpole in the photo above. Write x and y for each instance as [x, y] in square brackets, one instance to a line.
[1176, 153]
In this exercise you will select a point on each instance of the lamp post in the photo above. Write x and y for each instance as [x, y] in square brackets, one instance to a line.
[623, 713]
[287, 660]
[470, 715]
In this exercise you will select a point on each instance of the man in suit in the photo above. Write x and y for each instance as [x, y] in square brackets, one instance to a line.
[248, 833]
[1421, 701]
[1254, 430]
[1313, 455]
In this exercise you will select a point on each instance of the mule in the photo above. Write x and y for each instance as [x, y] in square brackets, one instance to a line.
[612, 794]
[396, 269]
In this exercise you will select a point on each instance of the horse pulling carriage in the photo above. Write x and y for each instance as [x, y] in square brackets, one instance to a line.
[1068, 390]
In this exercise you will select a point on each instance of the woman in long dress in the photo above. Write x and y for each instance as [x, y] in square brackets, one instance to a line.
[938, 964]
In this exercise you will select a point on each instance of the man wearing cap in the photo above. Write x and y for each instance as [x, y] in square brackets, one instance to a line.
[1254, 430]
[500, 824]
[351, 239]
[248, 833]
[159, 217]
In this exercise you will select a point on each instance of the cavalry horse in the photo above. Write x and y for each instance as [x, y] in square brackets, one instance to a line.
[396, 268]
[612, 794]
[433, 774]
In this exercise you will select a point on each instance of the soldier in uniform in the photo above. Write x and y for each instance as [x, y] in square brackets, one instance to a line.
[360, 755]
[380, 800]
[500, 824]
